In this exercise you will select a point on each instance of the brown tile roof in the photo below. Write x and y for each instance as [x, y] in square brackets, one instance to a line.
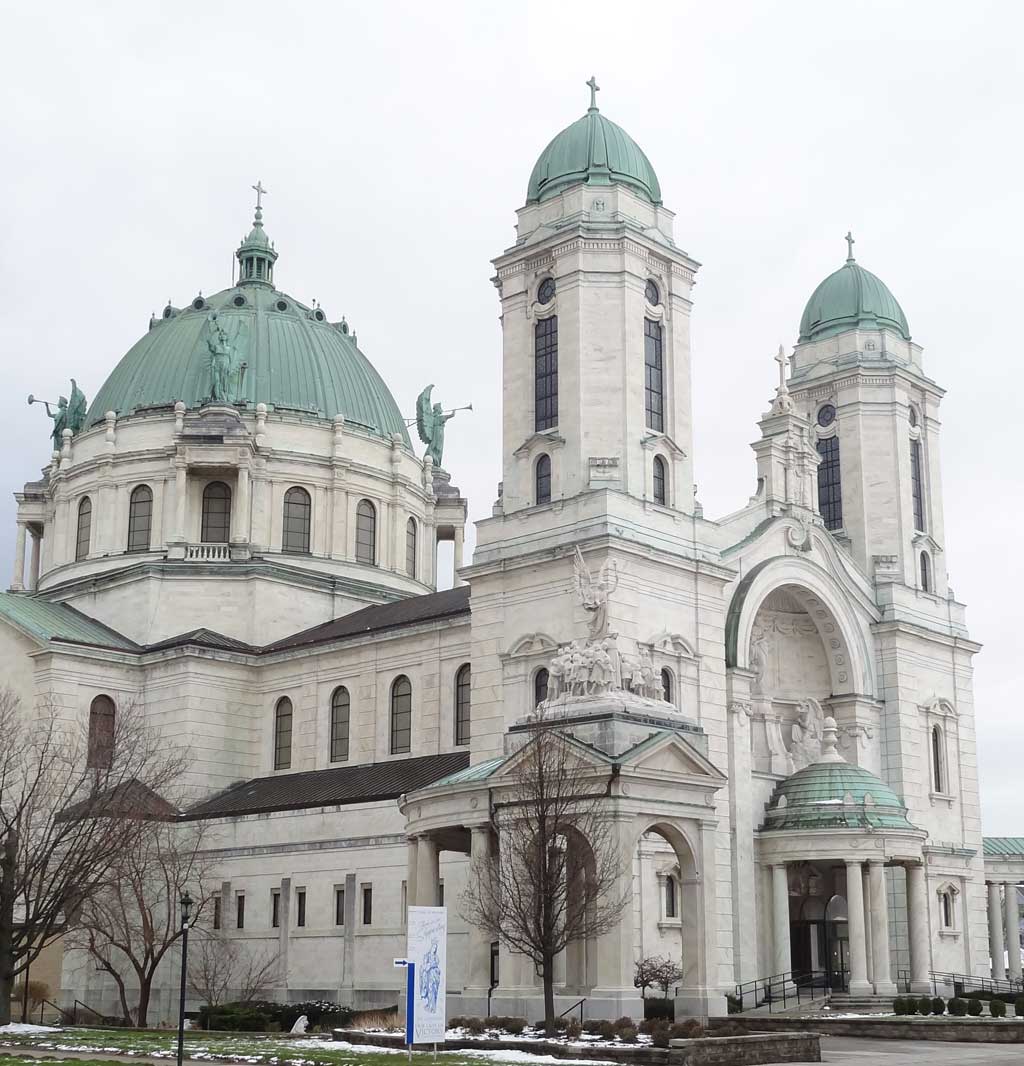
[336, 786]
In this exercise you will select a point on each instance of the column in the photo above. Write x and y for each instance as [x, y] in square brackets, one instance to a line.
[882, 967]
[781, 961]
[995, 932]
[917, 905]
[428, 874]
[180, 488]
[460, 539]
[410, 876]
[615, 946]
[1011, 924]
[240, 507]
[478, 970]
[869, 954]
[855, 912]
[18, 580]
[33, 563]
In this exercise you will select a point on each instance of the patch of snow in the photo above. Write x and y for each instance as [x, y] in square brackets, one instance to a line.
[24, 1027]
[525, 1056]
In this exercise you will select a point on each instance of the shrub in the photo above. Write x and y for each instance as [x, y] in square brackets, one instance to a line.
[735, 1003]
[997, 1008]
[627, 1034]
[574, 1028]
[236, 1017]
[924, 1005]
[514, 1025]
[974, 1007]
[1018, 1006]
[910, 1005]
[624, 1022]
[659, 1010]
[660, 1034]
[691, 1029]
[957, 1007]
[476, 1025]
[938, 1005]
[899, 1005]
[604, 1029]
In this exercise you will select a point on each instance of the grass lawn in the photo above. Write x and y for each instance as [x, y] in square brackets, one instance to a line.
[236, 1048]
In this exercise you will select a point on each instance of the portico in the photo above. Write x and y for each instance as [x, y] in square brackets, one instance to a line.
[1004, 876]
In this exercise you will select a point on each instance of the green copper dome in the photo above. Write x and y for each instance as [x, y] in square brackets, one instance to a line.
[851, 298]
[594, 151]
[294, 359]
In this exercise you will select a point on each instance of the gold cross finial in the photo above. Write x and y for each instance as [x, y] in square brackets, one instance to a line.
[594, 90]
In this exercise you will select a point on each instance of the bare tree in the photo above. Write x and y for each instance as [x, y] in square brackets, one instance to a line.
[72, 802]
[129, 924]
[557, 877]
[645, 973]
[220, 967]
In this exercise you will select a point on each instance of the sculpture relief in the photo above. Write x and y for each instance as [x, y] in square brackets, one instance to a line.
[807, 734]
[226, 363]
[594, 592]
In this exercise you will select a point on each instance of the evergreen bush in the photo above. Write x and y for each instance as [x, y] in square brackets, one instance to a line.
[997, 1008]
[899, 1005]
[924, 1005]
[1018, 1006]
[974, 1007]
[938, 1005]
[910, 1005]
[957, 1007]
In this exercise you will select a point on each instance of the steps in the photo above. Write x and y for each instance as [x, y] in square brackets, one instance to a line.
[844, 1002]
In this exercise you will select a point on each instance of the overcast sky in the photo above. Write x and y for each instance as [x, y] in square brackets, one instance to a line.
[396, 141]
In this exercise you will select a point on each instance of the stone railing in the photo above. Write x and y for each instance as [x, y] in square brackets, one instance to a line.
[211, 553]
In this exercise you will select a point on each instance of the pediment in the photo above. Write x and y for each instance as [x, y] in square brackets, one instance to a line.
[669, 754]
[532, 644]
[671, 644]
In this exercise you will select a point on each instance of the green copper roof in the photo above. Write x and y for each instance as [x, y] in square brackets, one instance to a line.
[851, 298]
[296, 361]
[477, 772]
[57, 621]
[595, 151]
[1004, 847]
[834, 794]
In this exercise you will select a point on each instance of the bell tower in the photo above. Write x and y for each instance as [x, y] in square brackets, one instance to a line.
[859, 379]
[595, 312]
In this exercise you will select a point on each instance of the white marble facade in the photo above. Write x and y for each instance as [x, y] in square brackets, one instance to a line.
[763, 624]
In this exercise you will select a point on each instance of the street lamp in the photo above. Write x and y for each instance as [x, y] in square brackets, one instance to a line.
[186, 914]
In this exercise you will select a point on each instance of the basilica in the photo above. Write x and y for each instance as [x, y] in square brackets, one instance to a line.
[238, 536]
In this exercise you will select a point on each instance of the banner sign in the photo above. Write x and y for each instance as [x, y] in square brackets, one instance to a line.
[426, 950]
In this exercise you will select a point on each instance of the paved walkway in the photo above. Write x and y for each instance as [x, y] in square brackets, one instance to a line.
[863, 1051]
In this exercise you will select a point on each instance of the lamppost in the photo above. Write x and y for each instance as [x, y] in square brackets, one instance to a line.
[186, 914]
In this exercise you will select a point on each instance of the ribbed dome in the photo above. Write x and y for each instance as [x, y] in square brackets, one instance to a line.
[595, 151]
[852, 297]
[296, 361]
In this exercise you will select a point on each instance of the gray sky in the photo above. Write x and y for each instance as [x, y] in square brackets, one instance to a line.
[396, 141]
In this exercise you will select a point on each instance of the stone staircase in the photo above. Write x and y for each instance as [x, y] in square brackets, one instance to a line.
[846, 1003]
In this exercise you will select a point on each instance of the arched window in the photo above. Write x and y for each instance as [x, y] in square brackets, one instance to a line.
[410, 547]
[100, 747]
[671, 902]
[540, 687]
[84, 529]
[216, 526]
[946, 908]
[545, 373]
[926, 573]
[297, 511]
[938, 760]
[654, 399]
[830, 494]
[916, 484]
[340, 716]
[366, 533]
[660, 495]
[542, 479]
[140, 518]
[283, 734]
[401, 715]
[462, 705]
[666, 685]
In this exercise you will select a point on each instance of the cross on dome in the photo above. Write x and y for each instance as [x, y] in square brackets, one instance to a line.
[849, 246]
[594, 90]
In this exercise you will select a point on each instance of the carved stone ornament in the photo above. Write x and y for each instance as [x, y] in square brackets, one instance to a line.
[741, 707]
[808, 728]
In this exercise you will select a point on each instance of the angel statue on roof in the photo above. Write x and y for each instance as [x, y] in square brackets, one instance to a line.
[594, 592]
[66, 414]
[430, 420]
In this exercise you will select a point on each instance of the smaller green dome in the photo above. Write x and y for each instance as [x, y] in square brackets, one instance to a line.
[593, 151]
[851, 298]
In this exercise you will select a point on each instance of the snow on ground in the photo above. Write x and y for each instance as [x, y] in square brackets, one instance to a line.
[525, 1056]
[23, 1027]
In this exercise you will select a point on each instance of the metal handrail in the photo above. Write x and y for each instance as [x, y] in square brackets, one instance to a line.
[573, 1007]
[960, 981]
[91, 1010]
[782, 987]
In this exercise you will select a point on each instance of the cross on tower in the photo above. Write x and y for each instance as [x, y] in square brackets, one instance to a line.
[260, 192]
[594, 90]
[782, 359]
[849, 246]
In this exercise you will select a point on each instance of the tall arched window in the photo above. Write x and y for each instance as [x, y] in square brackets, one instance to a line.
[545, 379]
[916, 484]
[542, 479]
[366, 533]
[84, 529]
[341, 710]
[947, 908]
[140, 518]
[401, 715]
[654, 398]
[462, 705]
[938, 760]
[100, 746]
[926, 573]
[298, 509]
[410, 547]
[540, 687]
[666, 685]
[660, 494]
[283, 734]
[671, 902]
[830, 493]
[216, 525]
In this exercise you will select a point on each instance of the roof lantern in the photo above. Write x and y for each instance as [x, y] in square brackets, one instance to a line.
[256, 255]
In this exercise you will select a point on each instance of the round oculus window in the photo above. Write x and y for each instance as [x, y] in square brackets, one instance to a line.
[199, 303]
[319, 315]
[826, 415]
[281, 305]
[546, 291]
[652, 295]
[239, 301]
